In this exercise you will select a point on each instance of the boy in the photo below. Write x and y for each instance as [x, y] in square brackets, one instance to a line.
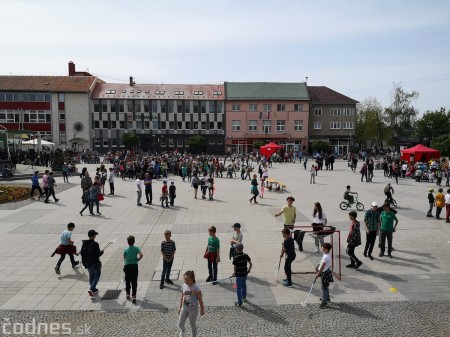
[212, 254]
[325, 273]
[172, 193]
[235, 239]
[387, 219]
[431, 202]
[35, 185]
[289, 213]
[66, 247]
[164, 194]
[241, 272]
[353, 240]
[440, 202]
[168, 252]
[288, 249]
[51, 188]
[111, 181]
[90, 258]
[131, 256]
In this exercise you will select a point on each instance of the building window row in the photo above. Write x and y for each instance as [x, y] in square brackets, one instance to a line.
[342, 112]
[7, 96]
[170, 106]
[164, 125]
[266, 125]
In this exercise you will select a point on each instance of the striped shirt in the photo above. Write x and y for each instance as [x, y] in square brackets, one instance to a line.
[240, 261]
[372, 220]
[167, 248]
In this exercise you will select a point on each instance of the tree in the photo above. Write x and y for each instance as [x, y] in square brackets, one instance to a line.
[58, 160]
[433, 124]
[442, 143]
[370, 125]
[130, 140]
[401, 115]
[196, 142]
[257, 145]
[320, 146]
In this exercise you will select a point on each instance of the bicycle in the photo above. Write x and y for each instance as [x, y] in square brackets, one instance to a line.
[346, 204]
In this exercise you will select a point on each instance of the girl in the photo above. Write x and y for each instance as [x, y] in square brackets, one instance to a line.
[262, 188]
[190, 298]
[312, 172]
[254, 189]
[319, 221]
[325, 273]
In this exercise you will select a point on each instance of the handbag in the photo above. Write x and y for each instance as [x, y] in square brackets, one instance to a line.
[100, 197]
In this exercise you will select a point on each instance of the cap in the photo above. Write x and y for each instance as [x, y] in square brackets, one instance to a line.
[92, 233]
[236, 225]
[374, 204]
[431, 190]
[70, 225]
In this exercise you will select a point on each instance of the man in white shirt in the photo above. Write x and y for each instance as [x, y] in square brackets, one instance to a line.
[447, 206]
[111, 181]
[139, 190]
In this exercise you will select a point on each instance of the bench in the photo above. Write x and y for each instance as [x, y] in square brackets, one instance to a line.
[279, 186]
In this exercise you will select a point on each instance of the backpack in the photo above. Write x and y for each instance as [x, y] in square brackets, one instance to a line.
[85, 254]
[202, 182]
[356, 235]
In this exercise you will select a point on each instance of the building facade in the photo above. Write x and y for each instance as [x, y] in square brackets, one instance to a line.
[332, 118]
[260, 112]
[54, 108]
[163, 116]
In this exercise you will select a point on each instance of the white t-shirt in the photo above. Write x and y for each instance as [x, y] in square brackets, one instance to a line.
[447, 198]
[327, 259]
[320, 221]
[238, 237]
[65, 237]
[190, 299]
[404, 167]
[138, 185]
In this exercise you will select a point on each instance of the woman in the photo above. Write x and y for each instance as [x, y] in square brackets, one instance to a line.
[319, 221]
[254, 189]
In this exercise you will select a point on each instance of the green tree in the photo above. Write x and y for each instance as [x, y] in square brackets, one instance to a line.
[401, 114]
[257, 145]
[130, 140]
[370, 125]
[320, 146]
[442, 143]
[196, 142]
[433, 124]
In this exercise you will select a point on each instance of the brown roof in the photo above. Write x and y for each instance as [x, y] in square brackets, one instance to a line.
[159, 91]
[326, 95]
[47, 83]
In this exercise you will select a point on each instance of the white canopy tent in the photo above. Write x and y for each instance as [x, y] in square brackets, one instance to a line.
[35, 142]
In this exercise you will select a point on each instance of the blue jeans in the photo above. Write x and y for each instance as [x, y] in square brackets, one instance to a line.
[139, 196]
[241, 284]
[94, 275]
[91, 205]
[167, 267]
[325, 294]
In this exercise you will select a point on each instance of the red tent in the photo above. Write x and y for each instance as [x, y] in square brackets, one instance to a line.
[420, 153]
[269, 149]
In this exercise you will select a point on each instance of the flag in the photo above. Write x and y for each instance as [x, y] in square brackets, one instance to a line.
[260, 115]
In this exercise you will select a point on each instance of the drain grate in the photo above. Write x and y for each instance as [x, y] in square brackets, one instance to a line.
[111, 294]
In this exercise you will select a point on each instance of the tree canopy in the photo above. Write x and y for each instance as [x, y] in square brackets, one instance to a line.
[130, 140]
[370, 125]
[442, 143]
[433, 124]
[320, 146]
[196, 142]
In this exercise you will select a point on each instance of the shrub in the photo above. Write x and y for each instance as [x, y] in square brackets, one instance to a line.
[12, 193]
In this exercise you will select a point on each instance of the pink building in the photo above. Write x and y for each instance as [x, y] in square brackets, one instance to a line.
[263, 111]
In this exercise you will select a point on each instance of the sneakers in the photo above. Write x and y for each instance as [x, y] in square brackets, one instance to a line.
[238, 305]
[95, 292]
[91, 293]
[209, 279]
[98, 213]
[128, 297]
[328, 300]
[161, 286]
[244, 299]
[75, 264]
[57, 271]
[56, 200]
[169, 282]
[133, 300]
[389, 255]
[284, 280]
[358, 264]
[323, 305]
[371, 257]
[381, 255]
[350, 266]
[287, 284]
[316, 250]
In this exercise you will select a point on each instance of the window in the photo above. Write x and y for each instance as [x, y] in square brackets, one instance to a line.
[195, 110]
[211, 125]
[121, 106]
[281, 107]
[9, 116]
[62, 137]
[171, 125]
[212, 107]
[163, 106]
[195, 125]
[236, 107]
[155, 125]
[188, 125]
[154, 106]
[179, 125]
[40, 97]
[347, 125]
[253, 107]
[172, 106]
[122, 125]
[113, 124]
[252, 125]
[318, 112]
[113, 106]
[335, 112]
[171, 142]
[219, 125]
[96, 124]
[317, 125]
[137, 106]
[61, 97]
[105, 142]
[235, 125]
[203, 125]
[146, 107]
[298, 107]
[212, 141]
[267, 107]
[105, 124]
[298, 125]
[267, 125]
[281, 125]
[3, 96]
[163, 125]
[179, 142]
[219, 141]
[105, 107]
[179, 92]
[335, 125]
[198, 92]
[348, 112]
[96, 106]
[219, 107]
[62, 116]
[203, 107]
[40, 116]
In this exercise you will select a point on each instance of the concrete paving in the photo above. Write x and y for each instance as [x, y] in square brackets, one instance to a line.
[419, 270]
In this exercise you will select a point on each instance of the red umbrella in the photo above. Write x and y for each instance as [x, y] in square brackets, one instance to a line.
[269, 149]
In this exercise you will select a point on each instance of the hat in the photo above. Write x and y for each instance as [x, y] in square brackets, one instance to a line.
[431, 190]
[238, 225]
[374, 204]
[70, 225]
[92, 233]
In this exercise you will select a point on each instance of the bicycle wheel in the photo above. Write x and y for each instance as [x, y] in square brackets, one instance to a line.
[359, 206]
[343, 205]
[393, 202]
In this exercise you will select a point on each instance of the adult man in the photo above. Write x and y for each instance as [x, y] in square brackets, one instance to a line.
[111, 181]
[372, 224]
[86, 182]
[289, 213]
[388, 193]
[447, 206]
[138, 190]
[387, 219]
[90, 257]
[148, 188]
[66, 247]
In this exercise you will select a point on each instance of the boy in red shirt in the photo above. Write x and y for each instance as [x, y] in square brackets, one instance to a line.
[164, 194]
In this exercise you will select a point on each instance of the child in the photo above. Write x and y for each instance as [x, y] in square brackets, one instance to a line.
[210, 185]
[431, 201]
[312, 172]
[131, 256]
[325, 273]
[164, 194]
[353, 240]
[289, 250]
[235, 239]
[261, 195]
[168, 252]
[440, 202]
[212, 254]
[190, 299]
[241, 272]
[172, 193]
[203, 186]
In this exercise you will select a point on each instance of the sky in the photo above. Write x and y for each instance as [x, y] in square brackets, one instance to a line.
[360, 48]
